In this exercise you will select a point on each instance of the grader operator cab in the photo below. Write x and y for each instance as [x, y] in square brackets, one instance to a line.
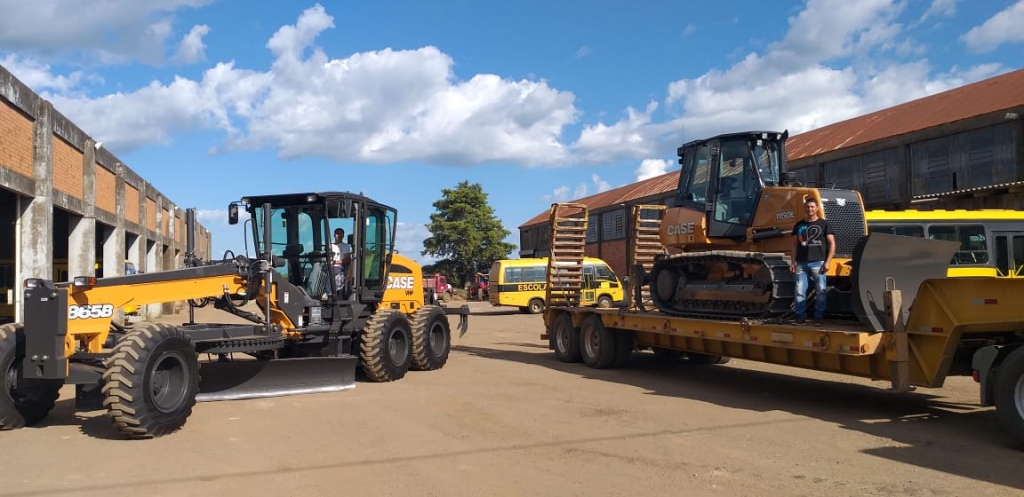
[730, 228]
[310, 332]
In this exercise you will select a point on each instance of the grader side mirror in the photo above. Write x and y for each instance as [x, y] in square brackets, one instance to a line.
[233, 214]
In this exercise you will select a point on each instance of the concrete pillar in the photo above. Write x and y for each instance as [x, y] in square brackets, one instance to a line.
[138, 256]
[82, 235]
[35, 216]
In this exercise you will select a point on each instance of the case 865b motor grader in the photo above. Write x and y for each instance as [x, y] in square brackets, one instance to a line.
[308, 336]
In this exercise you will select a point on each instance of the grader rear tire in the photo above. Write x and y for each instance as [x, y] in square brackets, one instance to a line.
[21, 405]
[386, 349]
[431, 338]
[151, 381]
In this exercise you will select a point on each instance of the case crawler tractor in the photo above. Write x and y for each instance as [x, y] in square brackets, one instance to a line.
[730, 230]
[308, 331]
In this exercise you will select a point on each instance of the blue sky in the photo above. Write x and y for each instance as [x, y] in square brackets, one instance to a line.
[212, 100]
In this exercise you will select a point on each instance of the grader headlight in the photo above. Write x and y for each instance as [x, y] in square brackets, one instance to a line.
[84, 282]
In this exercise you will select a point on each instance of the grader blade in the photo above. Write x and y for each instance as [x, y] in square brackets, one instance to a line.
[906, 261]
[254, 379]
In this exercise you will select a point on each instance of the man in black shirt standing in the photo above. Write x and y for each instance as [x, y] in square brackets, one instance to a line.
[814, 245]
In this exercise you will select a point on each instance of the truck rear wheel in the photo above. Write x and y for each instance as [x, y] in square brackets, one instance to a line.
[386, 349]
[599, 346]
[565, 339]
[431, 338]
[151, 381]
[1009, 393]
[21, 405]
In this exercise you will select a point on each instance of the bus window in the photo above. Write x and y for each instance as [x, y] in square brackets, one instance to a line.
[604, 273]
[973, 246]
[898, 229]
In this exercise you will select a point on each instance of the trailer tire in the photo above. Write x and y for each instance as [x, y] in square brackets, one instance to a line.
[385, 351]
[27, 405]
[706, 359]
[143, 399]
[565, 339]
[598, 345]
[431, 338]
[667, 355]
[1009, 393]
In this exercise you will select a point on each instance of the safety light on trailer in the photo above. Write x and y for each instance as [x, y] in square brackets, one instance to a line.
[84, 281]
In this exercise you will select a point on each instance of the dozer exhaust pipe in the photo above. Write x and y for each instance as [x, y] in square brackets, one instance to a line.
[907, 260]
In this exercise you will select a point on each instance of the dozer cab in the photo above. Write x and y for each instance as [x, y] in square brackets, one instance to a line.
[309, 331]
[728, 238]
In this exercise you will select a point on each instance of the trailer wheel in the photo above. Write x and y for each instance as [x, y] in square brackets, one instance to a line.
[431, 338]
[21, 405]
[386, 349]
[536, 306]
[1009, 393]
[598, 346]
[706, 359]
[151, 381]
[667, 354]
[565, 339]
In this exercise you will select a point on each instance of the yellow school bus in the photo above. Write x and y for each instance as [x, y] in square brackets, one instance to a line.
[991, 240]
[522, 283]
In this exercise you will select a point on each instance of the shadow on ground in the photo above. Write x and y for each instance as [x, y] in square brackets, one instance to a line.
[960, 439]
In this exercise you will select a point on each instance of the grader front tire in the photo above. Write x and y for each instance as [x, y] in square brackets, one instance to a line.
[151, 381]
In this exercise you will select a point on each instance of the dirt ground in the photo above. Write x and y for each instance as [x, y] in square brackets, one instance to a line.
[504, 417]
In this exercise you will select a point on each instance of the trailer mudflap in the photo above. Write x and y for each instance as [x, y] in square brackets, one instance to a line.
[254, 379]
[906, 260]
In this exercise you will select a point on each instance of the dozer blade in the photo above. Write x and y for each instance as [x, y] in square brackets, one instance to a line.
[254, 379]
[907, 260]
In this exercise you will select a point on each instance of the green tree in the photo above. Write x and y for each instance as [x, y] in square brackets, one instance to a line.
[467, 237]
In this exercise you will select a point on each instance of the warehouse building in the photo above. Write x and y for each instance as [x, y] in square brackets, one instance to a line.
[69, 207]
[960, 149]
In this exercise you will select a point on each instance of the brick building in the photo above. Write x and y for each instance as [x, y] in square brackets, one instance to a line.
[69, 207]
[963, 148]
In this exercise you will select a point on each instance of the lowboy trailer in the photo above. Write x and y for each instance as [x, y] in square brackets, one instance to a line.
[911, 333]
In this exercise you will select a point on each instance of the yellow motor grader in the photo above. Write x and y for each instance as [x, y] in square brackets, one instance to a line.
[309, 330]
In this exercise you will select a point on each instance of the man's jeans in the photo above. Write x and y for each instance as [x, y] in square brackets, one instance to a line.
[812, 270]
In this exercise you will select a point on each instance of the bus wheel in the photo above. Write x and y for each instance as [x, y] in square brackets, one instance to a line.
[536, 306]
[604, 302]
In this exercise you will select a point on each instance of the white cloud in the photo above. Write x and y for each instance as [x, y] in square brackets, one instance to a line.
[192, 49]
[40, 76]
[409, 242]
[1003, 27]
[386, 106]
[584, 51]
[650, 168]
[110, 31]
[940, 8]
[562, 193]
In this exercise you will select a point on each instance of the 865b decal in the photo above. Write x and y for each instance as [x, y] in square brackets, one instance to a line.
[94, 311]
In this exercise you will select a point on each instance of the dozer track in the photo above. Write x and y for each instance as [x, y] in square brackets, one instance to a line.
[681, 286]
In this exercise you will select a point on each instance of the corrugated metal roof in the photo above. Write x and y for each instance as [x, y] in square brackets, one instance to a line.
[651, 186]
[999, 93]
